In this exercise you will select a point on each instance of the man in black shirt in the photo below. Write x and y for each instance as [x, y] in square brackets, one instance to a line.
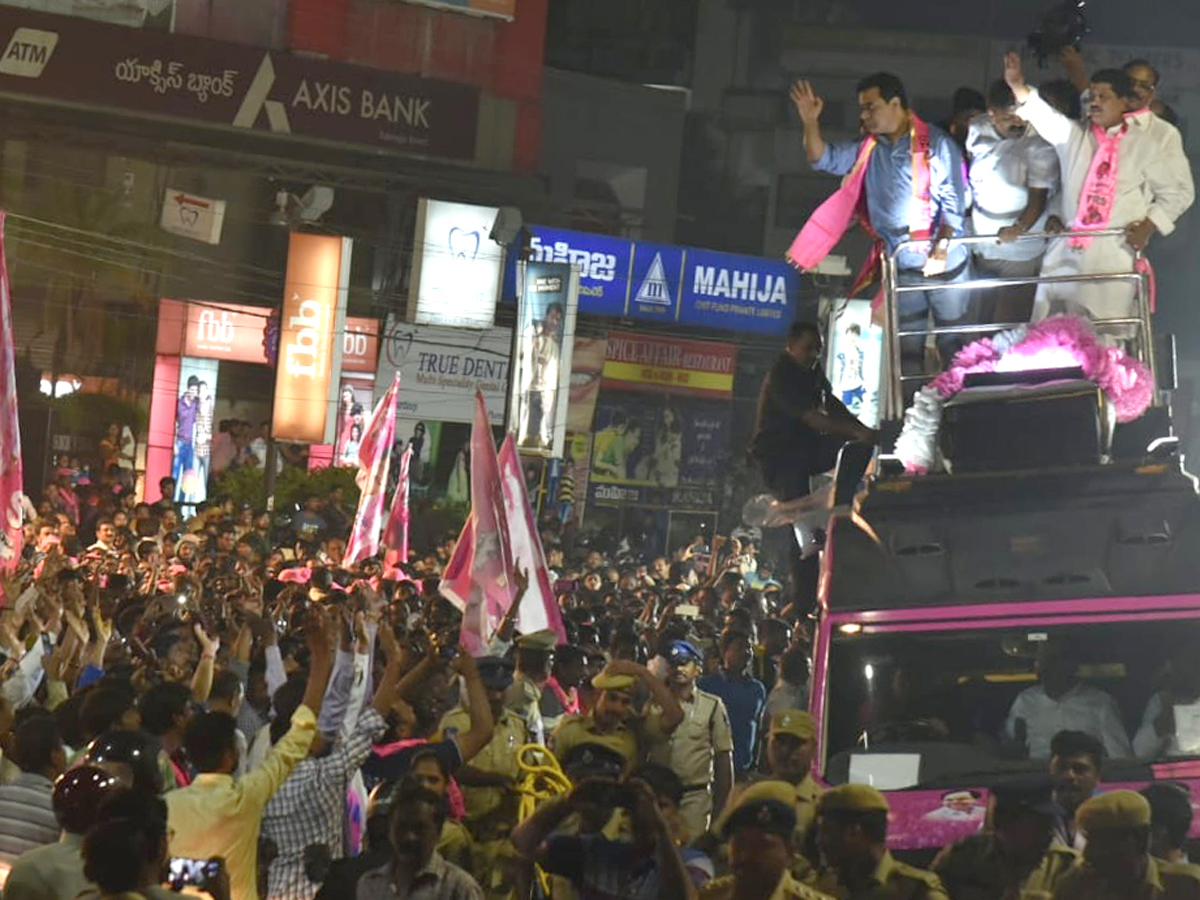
[801, 424]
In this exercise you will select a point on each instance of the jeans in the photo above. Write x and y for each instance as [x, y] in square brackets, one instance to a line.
[949, 307]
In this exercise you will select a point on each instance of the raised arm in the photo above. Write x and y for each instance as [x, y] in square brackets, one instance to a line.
[1052, 125]
[810, 106]
[478, 708]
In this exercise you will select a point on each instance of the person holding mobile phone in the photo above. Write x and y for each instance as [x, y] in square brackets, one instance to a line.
[125, 853]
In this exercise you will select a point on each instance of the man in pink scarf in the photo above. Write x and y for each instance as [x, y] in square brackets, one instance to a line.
[909, 181]
[1123, 168]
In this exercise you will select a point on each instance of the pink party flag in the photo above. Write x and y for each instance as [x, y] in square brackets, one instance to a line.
[477, 579]
[11, 483]
[374, 458]
[539, 611]
[395, 532]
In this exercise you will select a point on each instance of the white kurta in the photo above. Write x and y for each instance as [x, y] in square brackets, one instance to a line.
[1154, 181]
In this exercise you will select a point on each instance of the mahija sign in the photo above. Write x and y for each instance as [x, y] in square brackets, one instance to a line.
[75, 62]
[663, 283]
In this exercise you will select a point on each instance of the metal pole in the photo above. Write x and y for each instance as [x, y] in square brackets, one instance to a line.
[892, 327]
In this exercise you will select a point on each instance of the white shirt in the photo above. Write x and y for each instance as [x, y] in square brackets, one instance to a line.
[1082, 708]
[1003, 170]
[1154, 181]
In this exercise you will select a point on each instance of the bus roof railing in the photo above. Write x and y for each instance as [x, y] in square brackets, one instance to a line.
[894, 396]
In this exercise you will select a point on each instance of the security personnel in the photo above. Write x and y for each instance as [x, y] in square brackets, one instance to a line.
[1020, 859]
[614, 723]
[489, 780]
[699, 751]
[791, 745]
[760, 827]
[535, 654]
[852, 834]
[1117, 861]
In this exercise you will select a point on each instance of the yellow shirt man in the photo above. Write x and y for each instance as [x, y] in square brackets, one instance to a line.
[217, 816]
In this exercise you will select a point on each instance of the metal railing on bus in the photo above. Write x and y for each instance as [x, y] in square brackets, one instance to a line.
[894, 398]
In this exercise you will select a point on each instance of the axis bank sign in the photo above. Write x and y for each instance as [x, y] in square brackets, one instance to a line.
[75, 61]
[314, 311]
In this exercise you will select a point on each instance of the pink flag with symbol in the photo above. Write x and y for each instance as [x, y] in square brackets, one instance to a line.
[395, 532]
[11, 484]
[374, 459]
[539, 611]
[477, 578]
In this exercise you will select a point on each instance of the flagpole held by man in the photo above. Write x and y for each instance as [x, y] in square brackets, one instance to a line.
[374, 459]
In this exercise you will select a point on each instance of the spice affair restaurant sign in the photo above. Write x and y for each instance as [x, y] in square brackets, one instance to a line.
[78, 62]
[669, 366]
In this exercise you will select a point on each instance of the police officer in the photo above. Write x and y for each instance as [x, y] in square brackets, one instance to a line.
[791, 745]
[489, 780]
[535, 654]
[852, 834]
[760, 827]
[700, 750]
[1117, 861]
[1020, 857]
[614, 722]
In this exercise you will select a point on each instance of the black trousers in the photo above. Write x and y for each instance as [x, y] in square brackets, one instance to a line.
[787, 478]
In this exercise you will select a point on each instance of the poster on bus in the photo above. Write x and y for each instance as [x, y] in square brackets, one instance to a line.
[854, 361]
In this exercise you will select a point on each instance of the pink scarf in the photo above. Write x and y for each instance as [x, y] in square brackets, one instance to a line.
[826, 226]
[1100, 189]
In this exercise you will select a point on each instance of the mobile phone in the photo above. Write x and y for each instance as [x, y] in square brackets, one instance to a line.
[688, 610]
[184, 872]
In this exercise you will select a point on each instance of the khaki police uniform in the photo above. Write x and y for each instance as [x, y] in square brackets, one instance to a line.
[1161, 881]
[690, 752]
[787, 889]
[975, 869]
[488, 805]
[632, 740]
[524, 698]
[890, 880]
[766, 806]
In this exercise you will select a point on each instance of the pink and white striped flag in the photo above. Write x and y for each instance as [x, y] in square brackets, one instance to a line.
[477, 579]
[395, 532]
[539, 610]
[374, 459]
[12, 489]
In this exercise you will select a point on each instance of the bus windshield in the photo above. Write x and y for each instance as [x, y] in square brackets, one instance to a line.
[978, 702]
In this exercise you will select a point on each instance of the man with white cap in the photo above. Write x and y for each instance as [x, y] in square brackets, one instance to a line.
[1117, 860]
[699, 751]
[614, 722]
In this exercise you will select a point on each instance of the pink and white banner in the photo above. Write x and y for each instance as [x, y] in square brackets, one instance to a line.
[11, 483]
[477, 579]
[539, 611]
[374, 458]
[395, 533]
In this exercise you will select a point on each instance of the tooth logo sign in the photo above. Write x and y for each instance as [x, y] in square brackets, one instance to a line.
[463, 244]
[28, 52]
[256, 101]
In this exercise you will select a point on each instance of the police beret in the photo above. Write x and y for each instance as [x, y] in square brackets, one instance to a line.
[606, 682]
[681, 652]
[853, 798]
[1114, 809]
[769, 805]
[794, 722]
[596, 759]
[538, 640]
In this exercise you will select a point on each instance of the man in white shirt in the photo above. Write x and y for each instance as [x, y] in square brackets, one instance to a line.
[1153, 188]
[1013, 172]
[1061, 702]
